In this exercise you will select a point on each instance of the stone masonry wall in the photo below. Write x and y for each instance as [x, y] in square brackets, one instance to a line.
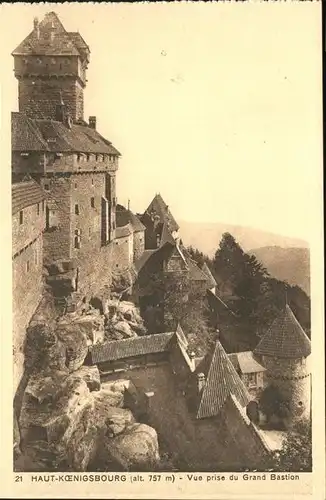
[38, 98]
[293, 379]
[26, 293]
[139, 244]
[57, 238]
[33, 219]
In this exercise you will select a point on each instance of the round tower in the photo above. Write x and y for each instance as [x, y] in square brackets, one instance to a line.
[285, 352]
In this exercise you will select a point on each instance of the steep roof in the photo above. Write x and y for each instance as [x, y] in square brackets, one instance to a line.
[140, 263]
[245, 362]
[222, 380]
[122, 232]
[30, 134]
[208, 273]
[285, 338]
[62, 42]
[124, 216]
[137, 346]
[160, 208]
[25, 194]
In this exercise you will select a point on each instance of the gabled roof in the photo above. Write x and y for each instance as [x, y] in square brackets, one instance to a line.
[62, 43]
[210, 277]
[25, 194]
[166, 235]
[30, 134]
[136, 346]
[222, 380]
[160, 208]
[246, 362]
[285, 338]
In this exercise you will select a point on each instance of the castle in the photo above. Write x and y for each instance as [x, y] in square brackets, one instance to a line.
[70, 236]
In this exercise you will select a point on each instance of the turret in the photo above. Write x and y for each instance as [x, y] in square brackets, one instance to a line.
[51, 59]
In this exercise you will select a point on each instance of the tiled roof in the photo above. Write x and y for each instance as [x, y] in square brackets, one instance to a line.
[222, 380]
[137, 346]
[122, 232]
[216, 301]
[166, 235]
[139, 264]
[208, 273]
[196, 274]
[246, 362]
[25, 194]
[124, 216]
[285, 338]
[62, 43]
[48, 135]
[160, 208]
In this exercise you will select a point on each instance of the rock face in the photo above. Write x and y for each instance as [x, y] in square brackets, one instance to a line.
[68, 421]
[75, 343]
[123, 320]
[135, 449]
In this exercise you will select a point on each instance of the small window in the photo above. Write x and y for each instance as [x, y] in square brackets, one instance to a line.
[21, 217]
[42, 205]
[47, 187]
[38, 209]
[88, 157]
[89, 232]
[96, 157]
[78, 157]
[27, 266]
[93, 202]
[53, 61]
[77, 238]
[39, 60]
[113, 225]
[92, 181]
[75, 185]
[76, 209]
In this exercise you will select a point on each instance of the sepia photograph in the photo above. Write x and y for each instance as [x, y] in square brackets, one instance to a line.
[164, 163]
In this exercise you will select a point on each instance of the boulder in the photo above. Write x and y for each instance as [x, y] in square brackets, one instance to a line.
[75, 343]
[124, 328]
[43, 348]
[117, 420]
[135, 449]
[91, 375]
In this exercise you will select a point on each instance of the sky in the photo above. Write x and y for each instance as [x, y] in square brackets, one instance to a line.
[217, 106]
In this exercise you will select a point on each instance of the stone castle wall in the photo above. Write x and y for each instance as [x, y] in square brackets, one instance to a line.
[38, 98]
[27, 288]
[293, 379]
[139, 244]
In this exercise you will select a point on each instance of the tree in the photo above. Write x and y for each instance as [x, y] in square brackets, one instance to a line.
[272, 403]
[296, 452]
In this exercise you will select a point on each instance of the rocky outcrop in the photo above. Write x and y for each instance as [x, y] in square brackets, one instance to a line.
[91, 376]
[122, 320]
[90, 324]
[135, 449]
[75, 344]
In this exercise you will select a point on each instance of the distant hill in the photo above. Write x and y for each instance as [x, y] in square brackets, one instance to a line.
[286, 264]
[206, 237]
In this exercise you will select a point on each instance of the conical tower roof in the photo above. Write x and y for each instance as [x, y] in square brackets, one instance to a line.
[160, 208]
[222, 381]
[285, 338]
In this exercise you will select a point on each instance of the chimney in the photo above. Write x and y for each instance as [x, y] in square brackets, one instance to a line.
[128, 204]
[92, 122]
[200, 382]
[37, 27]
